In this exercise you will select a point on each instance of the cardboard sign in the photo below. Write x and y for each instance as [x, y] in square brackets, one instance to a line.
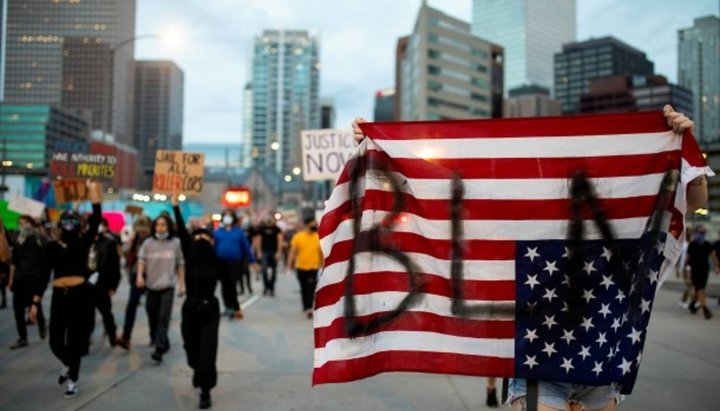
[67, 191]
[24, 205]
[178, 172]
[83, 165]
[325, 152]
[133, 210]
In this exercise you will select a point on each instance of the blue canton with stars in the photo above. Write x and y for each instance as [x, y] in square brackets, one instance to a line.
[604, 343]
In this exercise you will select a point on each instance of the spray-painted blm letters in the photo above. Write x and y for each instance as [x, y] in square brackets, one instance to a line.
[178, 172]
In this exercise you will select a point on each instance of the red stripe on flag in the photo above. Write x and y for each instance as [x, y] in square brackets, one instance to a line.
[413, 361]
[514, 168]
[441, 249]
[422, 321]
[381, 281]
[571, 126]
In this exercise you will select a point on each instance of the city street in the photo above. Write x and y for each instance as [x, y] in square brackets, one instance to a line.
[265, 363]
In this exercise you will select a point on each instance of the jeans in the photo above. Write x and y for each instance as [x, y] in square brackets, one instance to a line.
[558, 394]
[307, 279]
[69, 332]
[159, 309]
[269, 262]
[22, 299]
[131, 310]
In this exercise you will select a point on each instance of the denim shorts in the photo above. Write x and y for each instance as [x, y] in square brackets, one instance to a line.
[558, 394]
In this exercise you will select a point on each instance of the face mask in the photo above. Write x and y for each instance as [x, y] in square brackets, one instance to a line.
[26, 230]
[700, 237]
[227, 220]
[162, 236]
[101, 229]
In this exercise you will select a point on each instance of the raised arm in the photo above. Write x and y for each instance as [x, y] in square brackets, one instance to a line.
[182, 230]
[697, 192]
[95, 194]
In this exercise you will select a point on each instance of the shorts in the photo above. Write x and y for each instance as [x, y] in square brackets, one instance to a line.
[699, 278]
[558, 394]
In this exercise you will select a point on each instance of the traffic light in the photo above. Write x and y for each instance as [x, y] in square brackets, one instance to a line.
[236, 197]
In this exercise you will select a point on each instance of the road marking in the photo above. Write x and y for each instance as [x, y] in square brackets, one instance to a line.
[250, 301]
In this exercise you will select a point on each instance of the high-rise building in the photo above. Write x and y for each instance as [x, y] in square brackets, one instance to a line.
[622, 93]
[248, 151]
[447, 73]
[530, 32]
[285, 89]
[327, 113]
[580, 62]
[530, 101]
[384, 105]
[75, 54]
[159, 88]
[699, 71]
[3, 46]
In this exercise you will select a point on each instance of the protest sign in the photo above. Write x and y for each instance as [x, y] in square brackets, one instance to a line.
[83, 165]
[67, 191]
[325, 152]
[24, 205]
[178, 172]
[133, 210]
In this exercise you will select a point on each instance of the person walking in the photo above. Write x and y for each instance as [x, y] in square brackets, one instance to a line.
[4, 264]
[307, 258]
[271, 243]
[201, 309]
[29, 275]
[71, 302]
[142, 228]
[232, 247]
[698, 254]
[161, 267]
[104, 264]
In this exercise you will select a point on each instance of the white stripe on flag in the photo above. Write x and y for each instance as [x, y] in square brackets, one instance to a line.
[384, 301]
[346, 349]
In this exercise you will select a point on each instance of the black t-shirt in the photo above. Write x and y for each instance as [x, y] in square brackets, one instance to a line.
[269, 238]
[698, 254]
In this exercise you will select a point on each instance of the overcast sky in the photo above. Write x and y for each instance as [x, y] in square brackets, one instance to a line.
[357, 45]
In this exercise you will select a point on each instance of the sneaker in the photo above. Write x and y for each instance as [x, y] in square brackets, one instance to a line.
[684, 304]
[19, 344]
[491, 400]
[157, 357]
[707, 313]
[205, 400]
[43, 332]
[63, 375]
[123, 343]
[71, 390]
[239, 315]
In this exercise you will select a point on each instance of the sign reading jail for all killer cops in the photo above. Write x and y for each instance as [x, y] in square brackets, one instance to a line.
[83, 165]
[325, 152]
[178, 172]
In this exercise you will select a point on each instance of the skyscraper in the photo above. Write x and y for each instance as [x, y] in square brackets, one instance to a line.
[159, 88]
[384, 105]
[447, 73]
[285, 101]
[64, 52]
[3, 46]
[581, 61]
[531, 32]
[327, 112]
[699, 71]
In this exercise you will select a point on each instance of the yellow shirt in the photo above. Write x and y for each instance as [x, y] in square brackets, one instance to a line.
[307, 248]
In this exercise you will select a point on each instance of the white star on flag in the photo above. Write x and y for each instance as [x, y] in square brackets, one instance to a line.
[639, 358]
[567, 253]
[585, 352]
[653, 276]
[566, 281]
[606, 254]
[567, 365]
[587, 323]
[550, 294]
[532, 281]
[616, 324]
[549, 322]
[601, 339]
[589, 268]
[550, 267]
[567, 336]
[604, 310]
[659, 247]
[620, 296]
[588, 295]
[598, 368]
[530, 362]
[531, 335]
[645, 306]
[625, 366]
[607, 281]
[532, 253]
[635, 335]
[549, 349]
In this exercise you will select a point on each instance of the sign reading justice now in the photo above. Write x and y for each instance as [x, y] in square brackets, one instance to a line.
[178, 172]
[325, 152]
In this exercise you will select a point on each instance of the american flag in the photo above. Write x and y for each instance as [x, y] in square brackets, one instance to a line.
[530, 312]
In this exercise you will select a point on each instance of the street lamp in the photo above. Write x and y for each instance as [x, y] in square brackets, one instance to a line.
[275, 146]
[296, 171]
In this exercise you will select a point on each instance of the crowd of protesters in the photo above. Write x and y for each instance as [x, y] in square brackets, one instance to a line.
[163, 259]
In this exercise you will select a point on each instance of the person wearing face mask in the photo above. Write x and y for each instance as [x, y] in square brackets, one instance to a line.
[141, 231]
[29, 275]
[232, 248]
[71, 299]
[271, 242]
[201, 310]
[306, 257]
[161, 266]
[104, 264]
[698, 254]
